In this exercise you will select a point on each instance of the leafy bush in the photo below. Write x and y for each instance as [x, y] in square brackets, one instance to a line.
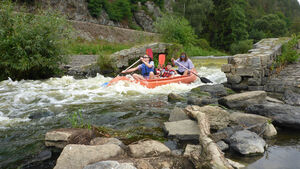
[289, 54]
[203, 43]
[198, 51]
[95, 7]
[175, 29]
[77, 120]
[31, 46]
[241, 46]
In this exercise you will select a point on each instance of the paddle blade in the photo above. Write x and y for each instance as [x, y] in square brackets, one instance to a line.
[205, 80]
[104, 84]
[161, 59]
[149, 53]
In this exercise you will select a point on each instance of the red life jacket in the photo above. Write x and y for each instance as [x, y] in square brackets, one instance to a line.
[168, 73]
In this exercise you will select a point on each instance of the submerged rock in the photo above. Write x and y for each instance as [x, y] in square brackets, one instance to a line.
[222, 145]
[247, 142]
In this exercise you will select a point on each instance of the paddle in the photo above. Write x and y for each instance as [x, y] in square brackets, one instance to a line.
[161, 59]
[203, 79]
[106, 83]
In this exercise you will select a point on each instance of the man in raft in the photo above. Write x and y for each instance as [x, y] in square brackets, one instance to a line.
[147, 69]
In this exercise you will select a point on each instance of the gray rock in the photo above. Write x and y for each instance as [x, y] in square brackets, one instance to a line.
[273, 100]
[177, 114]
[216, 90]
[173, 98]
[292, 98]
[247, 142]
[233, 78]
[247, 120]
[149, 148]
[104, 140]
[269, 130]
[282, 114]
[242, 100]
[78, 156]
[144, 20]
[222, 145]
[202, 101]
[183, 130]
[110, 165]
[61, 137]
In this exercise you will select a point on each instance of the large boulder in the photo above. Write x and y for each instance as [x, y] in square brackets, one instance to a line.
[217, 117]
[78, 156]
[148, 148]
[282, 114]
[173, 98]
[242, 100]
[247, 142]
[61, 137]
[183, 130]
[145, 21]
[247, 120]
[110, 165]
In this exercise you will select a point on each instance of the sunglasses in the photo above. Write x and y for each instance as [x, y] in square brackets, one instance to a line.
[182, 56]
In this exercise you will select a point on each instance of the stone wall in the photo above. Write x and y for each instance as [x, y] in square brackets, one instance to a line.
[123, 57]
[91, 31]
[252, 70]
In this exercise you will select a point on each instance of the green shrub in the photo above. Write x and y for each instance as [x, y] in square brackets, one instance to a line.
[106, 64]
[175, 29]
[77, 120]
[202, 43]
[95, 7]
[198, 51]
[289, 54]
[31, 46]
[241, 46]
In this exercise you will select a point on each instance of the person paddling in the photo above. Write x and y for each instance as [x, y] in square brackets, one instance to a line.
[185, 61]
[147, 69]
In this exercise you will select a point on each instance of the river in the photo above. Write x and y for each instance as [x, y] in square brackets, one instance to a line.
[28, 109]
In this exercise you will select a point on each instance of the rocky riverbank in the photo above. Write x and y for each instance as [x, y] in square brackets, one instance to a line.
[216, 121]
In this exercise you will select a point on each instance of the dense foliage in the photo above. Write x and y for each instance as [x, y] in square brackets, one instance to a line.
[226, 24]
[31, 46]
[289, 54]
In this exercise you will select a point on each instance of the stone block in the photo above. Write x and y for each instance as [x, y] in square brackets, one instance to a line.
[244, 71]
[226, 68]
[254, 82]
[233, 79]
[255, 62]
[183, 130]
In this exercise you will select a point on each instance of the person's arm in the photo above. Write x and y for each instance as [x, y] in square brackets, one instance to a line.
[149, 65]
[130, 70]
[191, 65]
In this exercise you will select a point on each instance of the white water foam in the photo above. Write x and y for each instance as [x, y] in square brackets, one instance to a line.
[20, 98]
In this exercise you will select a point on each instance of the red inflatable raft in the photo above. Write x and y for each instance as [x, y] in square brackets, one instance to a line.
[158, 82]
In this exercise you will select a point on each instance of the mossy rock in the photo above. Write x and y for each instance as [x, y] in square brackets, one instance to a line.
[230, 91]
[173, 98]
[198, 92]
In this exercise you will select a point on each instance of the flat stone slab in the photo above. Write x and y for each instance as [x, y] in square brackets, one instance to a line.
[183, 130]
[148, 148]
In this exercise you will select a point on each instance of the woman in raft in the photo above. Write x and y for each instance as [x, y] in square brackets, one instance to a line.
[147, 69]
[185, 61]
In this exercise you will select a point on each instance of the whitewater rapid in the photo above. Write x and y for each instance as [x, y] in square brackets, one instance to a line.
[19, 99]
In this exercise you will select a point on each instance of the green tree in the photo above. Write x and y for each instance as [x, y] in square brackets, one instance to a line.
[175, 29]
[271, 25]
[31, 46]
[195, 11]
[228, 22]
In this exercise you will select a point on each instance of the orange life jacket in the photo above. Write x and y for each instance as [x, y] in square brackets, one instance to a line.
[168, 73]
